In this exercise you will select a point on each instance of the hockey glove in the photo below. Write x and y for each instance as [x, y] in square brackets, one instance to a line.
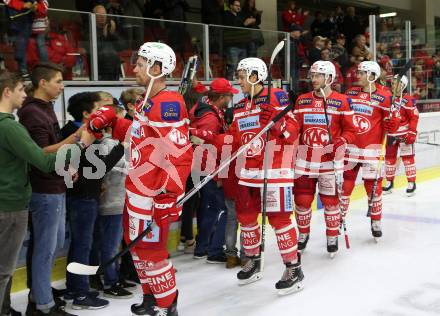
[104, 117]
[391, 125]
[165, 208]
[410, 137]
[266, 115]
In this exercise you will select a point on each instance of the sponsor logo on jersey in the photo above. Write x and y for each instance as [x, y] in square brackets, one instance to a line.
[282, 98]
[353, 92]
[239, 105]
[362, 123]
[136, 129]
[305, 101]
[334, 102]
[362, 109]
[315, 137]
[288, 197]
[256, 147]
[177, 137]
[170, 111]
[378, 97]
[248, 123]
[135, 156]
[315, 119]
[260, 100]
[148, 105]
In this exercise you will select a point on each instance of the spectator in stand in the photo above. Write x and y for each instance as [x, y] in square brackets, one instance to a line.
[133, 28]
[339, 18]
[109, 43]
[128, 98]
[82, 208]
[397, 58]
[21, 15]
[315, 52]
[40, 25]
[386, 76]
[318, 27]
[330, 26]
[59, 50]
[351, 25]
[436, 74]
[292, 16]
[340, 54]
[351, 78]
[212, 11]
[175, 10]
[47, 206]
[339, 80]
[297, 55]
[251, 14]
[234, 39]
[360, 49]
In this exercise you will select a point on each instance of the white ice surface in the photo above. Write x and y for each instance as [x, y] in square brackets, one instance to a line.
[399, 276]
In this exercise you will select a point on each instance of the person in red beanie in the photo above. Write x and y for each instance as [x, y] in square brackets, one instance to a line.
[208, 115]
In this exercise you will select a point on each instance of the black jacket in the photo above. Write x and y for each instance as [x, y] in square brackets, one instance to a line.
[91, 188]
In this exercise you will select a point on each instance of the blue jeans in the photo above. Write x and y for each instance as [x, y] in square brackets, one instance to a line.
[82, 215]
[21, 39]
[110, 235]
[233, 56]
[211, 232]
[48, 213]
[40, 39]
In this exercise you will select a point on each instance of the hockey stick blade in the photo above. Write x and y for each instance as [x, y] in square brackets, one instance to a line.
[405, 68]
[275, 52]
[82, 269]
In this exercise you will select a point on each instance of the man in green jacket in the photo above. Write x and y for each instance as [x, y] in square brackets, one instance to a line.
[17, 151]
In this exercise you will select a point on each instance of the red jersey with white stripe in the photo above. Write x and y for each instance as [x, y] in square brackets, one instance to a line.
[160, 152]
[409, 115]
[246, 125]
[368, 117]
[312, 157]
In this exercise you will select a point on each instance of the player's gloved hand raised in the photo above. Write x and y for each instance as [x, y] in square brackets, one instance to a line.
[390, 125]
[104, 117]
[267, 113]
[165, 208]
[410, 137]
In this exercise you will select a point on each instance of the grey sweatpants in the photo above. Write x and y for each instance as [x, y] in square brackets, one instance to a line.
[13, 227]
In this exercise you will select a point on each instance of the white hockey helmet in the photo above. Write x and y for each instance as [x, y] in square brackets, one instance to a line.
[370, 67]
[326, 68]
[253, 64]
[403, 81]
[159, 52]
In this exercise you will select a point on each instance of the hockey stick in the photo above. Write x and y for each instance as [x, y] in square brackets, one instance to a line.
[384, 142]
[275, 52]
[188, 75]
[338, 178]
[79, 268]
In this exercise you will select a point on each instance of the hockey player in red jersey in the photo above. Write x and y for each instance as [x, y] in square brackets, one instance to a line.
[316, 157]
[403, 139]
[251, 114]
[160, 162]
[374, 116]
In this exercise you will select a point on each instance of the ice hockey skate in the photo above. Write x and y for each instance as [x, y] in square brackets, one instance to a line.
[251, 272]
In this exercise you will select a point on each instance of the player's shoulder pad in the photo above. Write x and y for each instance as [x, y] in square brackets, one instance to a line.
[281, 96]
[305, 99]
